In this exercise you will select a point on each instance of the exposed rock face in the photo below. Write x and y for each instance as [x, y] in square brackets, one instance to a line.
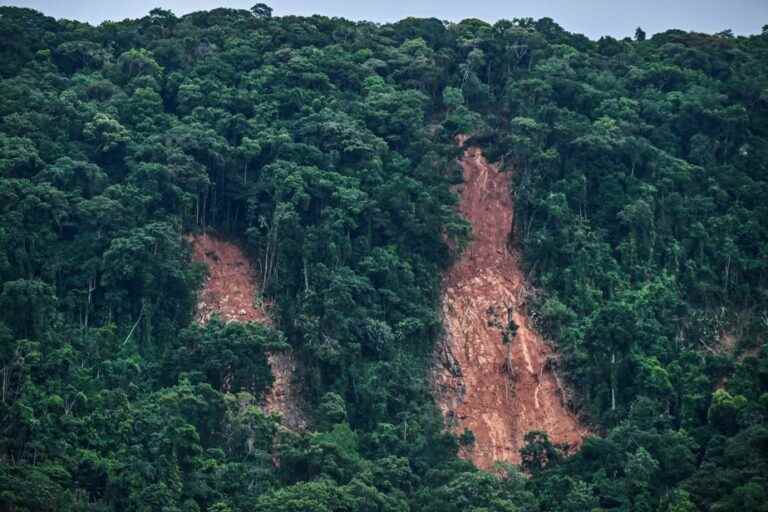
[494, 373]
[231, 291]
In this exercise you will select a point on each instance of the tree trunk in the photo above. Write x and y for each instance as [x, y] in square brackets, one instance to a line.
[613, 381]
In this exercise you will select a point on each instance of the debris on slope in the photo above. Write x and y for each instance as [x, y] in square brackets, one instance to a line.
[494, 374]
[229, 288]
[283, 397]
[230, 291]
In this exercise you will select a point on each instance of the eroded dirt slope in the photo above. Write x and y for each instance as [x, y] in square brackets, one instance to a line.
[231, 291]
[499, 390]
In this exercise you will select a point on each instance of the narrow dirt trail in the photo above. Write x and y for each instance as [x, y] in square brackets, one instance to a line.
[231, 291]
[499, 391]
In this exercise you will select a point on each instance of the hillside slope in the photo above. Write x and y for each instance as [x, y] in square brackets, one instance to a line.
[640, 172]
[230, 291]
[495, 375]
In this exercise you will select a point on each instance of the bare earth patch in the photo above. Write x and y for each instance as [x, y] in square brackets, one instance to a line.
[231, 291]
[495, 380]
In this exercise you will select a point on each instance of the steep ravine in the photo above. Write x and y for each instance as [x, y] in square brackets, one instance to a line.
[231, 291]
[495, 380]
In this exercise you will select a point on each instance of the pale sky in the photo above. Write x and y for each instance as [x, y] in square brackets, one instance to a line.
[593, 18]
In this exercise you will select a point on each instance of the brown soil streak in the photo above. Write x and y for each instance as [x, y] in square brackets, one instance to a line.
[231, 291]
[498, 391]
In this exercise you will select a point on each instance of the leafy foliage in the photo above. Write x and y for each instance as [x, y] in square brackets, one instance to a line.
[327, 147]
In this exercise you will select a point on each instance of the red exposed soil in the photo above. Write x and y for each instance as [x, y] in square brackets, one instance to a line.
[230, 288]
[231, 291]
[499, 391]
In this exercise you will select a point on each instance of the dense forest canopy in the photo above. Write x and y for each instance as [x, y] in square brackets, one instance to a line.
[327, 147]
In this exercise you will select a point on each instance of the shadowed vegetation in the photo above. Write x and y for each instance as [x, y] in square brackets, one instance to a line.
[327, 147]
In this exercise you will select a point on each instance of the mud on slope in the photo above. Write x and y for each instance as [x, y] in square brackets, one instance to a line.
[231, 291]
[499, 391]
